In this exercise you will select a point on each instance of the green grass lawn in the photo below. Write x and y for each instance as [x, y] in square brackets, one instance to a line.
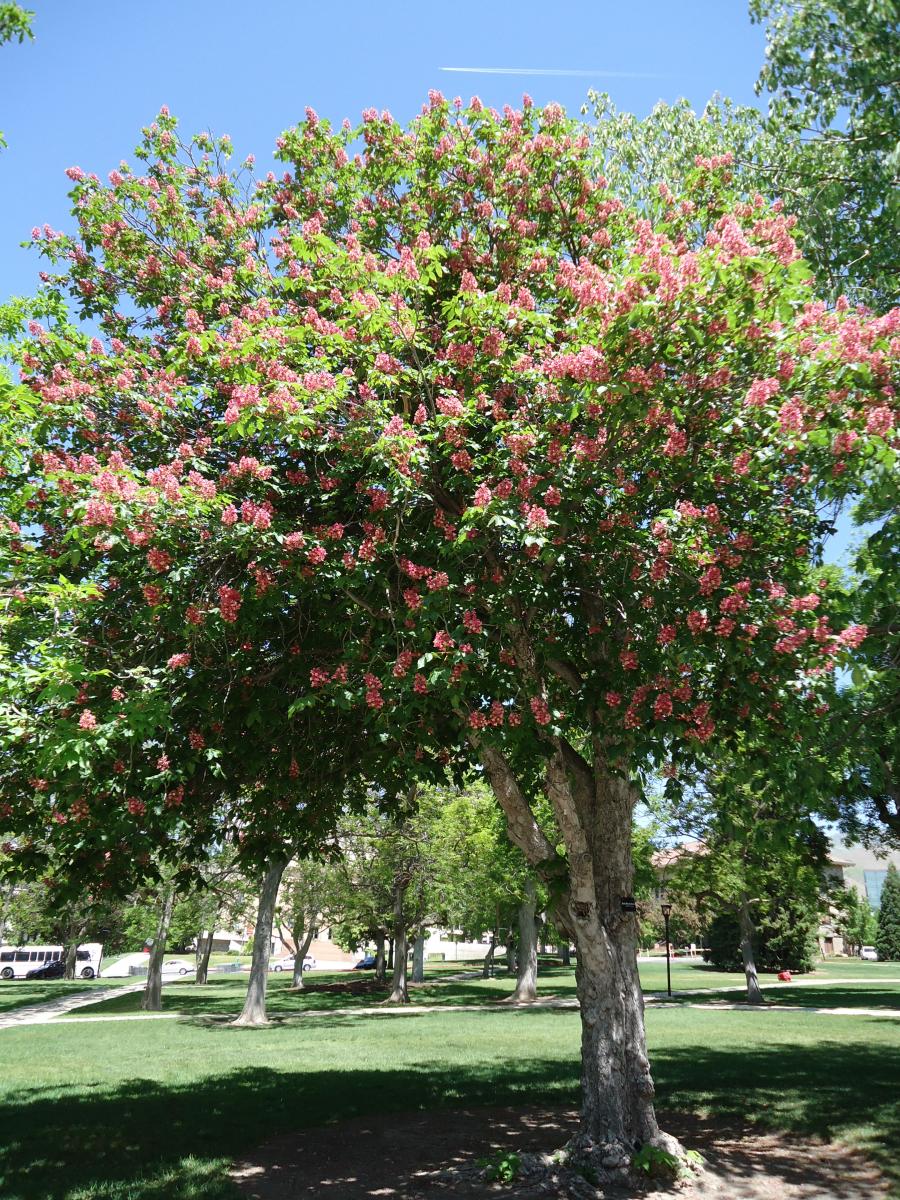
[15, 993]
[224, 994]
[155, 1110]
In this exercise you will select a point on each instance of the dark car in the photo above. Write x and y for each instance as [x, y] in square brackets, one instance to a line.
[50, 970]
[365, 964]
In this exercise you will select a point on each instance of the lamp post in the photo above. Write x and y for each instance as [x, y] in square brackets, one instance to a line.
[666, 910]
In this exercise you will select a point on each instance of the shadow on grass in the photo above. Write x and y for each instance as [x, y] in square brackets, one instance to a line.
[55, 1145]
[864, 995]
[19, 993]
[141, 1140]
[225, 997]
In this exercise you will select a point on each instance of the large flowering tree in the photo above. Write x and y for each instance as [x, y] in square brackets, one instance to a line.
[546, 479]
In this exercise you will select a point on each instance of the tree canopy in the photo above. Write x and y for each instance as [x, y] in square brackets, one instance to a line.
[435, 439]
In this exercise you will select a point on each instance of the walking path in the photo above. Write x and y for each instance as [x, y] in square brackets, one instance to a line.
[41, 1014]
[767, 986]
[47, 1010]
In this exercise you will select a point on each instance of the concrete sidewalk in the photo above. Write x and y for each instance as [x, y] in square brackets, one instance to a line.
[48, 1010]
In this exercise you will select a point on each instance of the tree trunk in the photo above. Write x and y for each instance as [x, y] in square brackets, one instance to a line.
[566, 955]
[74, 934]
[488, 965]
[152, 998]
[399, 993]
[71, 954]
[390, 955]
[418, 969]
[254, 1010]
[512, 957]
[526, 973]
[594, 811]
[745, 921]
[202, 975]
[617, 1088]
[301, 949]
[380, 973]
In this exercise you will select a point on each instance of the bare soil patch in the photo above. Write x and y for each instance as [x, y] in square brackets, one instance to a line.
[430, 1156]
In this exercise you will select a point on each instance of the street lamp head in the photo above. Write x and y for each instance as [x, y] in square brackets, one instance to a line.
[666, 909]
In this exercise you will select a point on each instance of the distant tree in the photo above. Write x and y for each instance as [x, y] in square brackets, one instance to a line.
[831, 72]
[855, 919]
[784, 936]
[15, 25]
[757, 871]
[887, 937]
[307, 900]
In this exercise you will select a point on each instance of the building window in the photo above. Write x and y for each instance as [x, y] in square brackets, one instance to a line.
[874, 884]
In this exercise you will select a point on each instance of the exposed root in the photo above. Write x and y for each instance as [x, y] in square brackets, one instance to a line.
[582, 1170]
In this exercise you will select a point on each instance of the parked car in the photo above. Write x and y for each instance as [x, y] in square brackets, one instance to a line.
[178, 966]
[51, 970]
[868, 952]
[365, 964]
[287, 963]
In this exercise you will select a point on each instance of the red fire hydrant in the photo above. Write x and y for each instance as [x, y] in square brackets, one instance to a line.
[784, 976]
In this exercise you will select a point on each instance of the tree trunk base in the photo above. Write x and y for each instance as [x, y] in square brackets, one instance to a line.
[585, 1169]
[397, 998]
[616, 1161]
[524, 998]
[250, 1022]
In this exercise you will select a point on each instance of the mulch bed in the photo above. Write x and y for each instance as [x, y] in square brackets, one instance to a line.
[432, 1155]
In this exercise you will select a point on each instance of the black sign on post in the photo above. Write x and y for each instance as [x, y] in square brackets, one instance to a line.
[629, 904]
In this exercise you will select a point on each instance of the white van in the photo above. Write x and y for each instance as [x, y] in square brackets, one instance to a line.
[868, 952]
[17, 961]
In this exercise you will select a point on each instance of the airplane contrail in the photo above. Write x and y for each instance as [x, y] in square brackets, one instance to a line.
[555, 71]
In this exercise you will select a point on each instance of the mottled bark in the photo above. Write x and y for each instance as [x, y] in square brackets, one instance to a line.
[205, 948]
[418, 967]
[745, 921]
[151, 1001]
[512, 953]
[526, 969]
[594, 812]
[399, 992]
[73, 937]
[254, 1010]
[301, 949]
[380, 969]
[488, 965]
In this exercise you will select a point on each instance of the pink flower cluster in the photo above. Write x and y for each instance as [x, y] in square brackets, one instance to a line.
[761, 392]
[159, 560]
[374, 698]
[229, 603]
[471, 621]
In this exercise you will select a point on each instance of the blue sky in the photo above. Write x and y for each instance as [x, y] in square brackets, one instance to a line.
[98, 71]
